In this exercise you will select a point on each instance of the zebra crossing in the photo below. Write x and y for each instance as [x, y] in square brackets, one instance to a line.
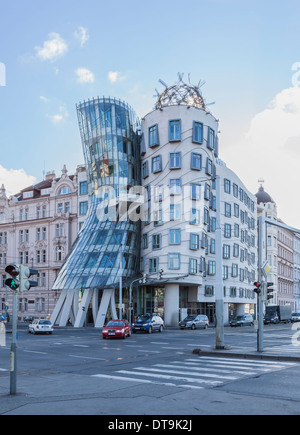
[201, 372]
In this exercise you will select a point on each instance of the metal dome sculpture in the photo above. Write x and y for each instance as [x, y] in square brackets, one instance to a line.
[181, 94]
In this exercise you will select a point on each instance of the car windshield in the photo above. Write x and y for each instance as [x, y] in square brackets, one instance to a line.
[115, 324]
[296, 314]
[143, 320]
[188, 318]
[45, 322]
[240, 318]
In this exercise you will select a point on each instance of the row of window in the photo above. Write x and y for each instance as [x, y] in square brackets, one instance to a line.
[238, 193]
[175, 161]
[175, 133]
[41, 233]
[196, 265]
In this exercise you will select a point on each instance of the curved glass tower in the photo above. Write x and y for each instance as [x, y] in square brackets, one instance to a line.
[111, 143]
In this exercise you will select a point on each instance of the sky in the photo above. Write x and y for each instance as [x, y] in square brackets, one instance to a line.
[56, 54]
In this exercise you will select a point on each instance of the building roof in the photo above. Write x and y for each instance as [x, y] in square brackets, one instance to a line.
[263, 197]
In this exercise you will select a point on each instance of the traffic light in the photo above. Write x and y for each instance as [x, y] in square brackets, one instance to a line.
[269, 291]
[25, 283]
[19, 281]
[257, 286]
[14, 271]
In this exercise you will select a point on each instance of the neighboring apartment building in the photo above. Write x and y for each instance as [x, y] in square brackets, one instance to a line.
[285, 267]
[37, 228]
[297, 272]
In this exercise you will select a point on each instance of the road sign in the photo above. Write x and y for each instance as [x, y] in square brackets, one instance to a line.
[6, 307]
[266, 269]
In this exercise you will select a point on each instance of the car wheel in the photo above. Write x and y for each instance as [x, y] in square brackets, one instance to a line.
[161, 328]
[193, 327]
[150, 330]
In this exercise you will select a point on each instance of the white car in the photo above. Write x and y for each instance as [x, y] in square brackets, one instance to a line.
[40, 326]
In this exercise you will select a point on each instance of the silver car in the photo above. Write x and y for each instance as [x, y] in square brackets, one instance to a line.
[194, 322]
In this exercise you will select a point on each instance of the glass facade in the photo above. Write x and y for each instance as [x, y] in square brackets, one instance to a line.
[108, 243]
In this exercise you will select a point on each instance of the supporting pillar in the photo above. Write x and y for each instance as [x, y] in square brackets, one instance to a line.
[108, 296]
[59, 306]
[83, 309]
[172, 305]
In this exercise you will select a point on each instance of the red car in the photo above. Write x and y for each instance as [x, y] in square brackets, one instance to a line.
[117, 328]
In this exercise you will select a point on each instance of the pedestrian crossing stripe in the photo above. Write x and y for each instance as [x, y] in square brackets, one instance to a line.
[197, 373]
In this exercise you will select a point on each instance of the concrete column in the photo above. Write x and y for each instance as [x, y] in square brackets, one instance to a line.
[172, 305]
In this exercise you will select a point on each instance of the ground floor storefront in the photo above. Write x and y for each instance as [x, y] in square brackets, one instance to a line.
[170, 301]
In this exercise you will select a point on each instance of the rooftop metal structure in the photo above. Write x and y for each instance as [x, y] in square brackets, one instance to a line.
[181, 94]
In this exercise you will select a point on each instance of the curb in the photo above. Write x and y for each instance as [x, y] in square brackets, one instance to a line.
[245, 356]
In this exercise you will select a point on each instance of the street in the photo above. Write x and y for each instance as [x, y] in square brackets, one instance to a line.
[76, 372]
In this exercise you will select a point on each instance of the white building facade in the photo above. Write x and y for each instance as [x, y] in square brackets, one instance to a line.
[37, 228]
[179, 169]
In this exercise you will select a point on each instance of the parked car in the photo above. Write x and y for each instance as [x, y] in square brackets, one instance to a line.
[116, 329]
[28, 319]
[40, 326]
[245, 320]
[295, 317]
[194, 322]
[148, 324]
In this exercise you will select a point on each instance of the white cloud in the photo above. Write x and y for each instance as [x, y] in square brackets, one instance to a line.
[82, 35]
[84, 75]
[45, 99]
[59, 117]
[54, 48]
[114, 76]
[15, 180]
[271, 149]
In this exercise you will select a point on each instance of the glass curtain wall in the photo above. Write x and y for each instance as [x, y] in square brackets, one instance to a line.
[108, 244]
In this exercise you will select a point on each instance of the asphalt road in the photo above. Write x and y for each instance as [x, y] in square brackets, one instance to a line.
[76, 372]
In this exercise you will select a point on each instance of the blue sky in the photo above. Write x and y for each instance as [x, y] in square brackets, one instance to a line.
[61, 52]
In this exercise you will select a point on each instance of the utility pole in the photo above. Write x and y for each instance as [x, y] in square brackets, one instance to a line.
[219, 273]
[260, 332]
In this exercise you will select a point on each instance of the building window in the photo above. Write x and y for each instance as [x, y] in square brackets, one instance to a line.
[174, 261]
[175, 186]
[175, 161]
[156, 241]
[153, 265]
[195, 217]
[64, 191]
[209, 290]
[209, 166]
[227, 186]
[175, 130]
[153, 136]
[227, 209]
[83, 188]
[196, 162]
[211, 268]
[175, 237]
[227, 231]
[196, 192]
[226, 252]
[145, 169]
[195, 242]
[145, 241]
[175, 212]
[198, 132]
[193, 266]
[83, 208]
[156, 164]
[59, 255]
[211, 139]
